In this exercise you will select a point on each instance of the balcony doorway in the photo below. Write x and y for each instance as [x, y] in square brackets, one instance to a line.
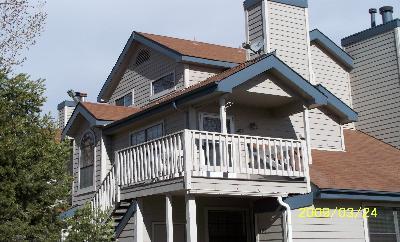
[227, 226]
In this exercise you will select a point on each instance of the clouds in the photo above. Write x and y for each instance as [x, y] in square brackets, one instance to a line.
[83, 39]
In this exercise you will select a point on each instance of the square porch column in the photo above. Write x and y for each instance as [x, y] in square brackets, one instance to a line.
[222, 113]
[191, 219]
[169, 223]
[139, 224]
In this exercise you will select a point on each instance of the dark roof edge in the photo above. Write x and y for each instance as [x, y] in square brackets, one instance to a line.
[342, 56]
[347, 113]
[368, 33]
[297, 3]
[365, 195]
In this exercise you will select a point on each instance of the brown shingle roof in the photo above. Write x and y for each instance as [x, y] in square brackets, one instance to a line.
[199, 49]
[367, 164]
[107, 112]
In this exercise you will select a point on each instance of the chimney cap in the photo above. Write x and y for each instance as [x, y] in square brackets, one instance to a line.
[373, 10]
[386, 9]
[80, 94]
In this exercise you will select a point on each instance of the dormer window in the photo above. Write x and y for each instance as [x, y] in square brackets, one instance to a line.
[142, 57]
[125, 101]
[86, 161]
[163, 85]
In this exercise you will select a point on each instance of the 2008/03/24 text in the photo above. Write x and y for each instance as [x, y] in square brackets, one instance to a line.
[351, 213]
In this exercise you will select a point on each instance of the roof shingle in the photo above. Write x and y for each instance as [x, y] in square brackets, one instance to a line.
[107, 112]
[367, 164]
[200, 49]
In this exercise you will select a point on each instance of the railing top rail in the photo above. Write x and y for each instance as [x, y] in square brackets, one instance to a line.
[150, 141]
[246, 136]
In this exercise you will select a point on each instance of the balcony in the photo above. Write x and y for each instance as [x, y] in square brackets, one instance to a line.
[201, 162]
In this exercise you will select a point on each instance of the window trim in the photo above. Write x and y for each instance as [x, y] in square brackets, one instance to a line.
[376, 204]
[203, 115]
[90, 189]
[123, 96]
[144, 128]
[166, 91]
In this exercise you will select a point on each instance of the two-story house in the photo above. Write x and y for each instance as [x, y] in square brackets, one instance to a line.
[192, 141]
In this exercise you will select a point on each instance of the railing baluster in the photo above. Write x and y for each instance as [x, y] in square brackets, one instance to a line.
[214, 153]
[292, 158]
[282, 158]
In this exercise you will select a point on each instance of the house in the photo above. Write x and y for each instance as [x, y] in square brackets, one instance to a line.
[192, 141]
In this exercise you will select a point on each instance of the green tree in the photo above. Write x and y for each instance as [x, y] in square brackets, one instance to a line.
[34, 184]
[90, 226]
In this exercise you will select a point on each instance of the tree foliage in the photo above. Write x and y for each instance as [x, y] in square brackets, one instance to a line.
[33, 179]
[21, 22]
[90, 226]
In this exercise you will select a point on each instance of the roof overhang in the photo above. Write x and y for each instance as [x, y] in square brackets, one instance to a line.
[290, 78]
[297, 3]
[334, 194]
[329, 46]
[335, 105]
[369, 33]
[176, 56]
[81, 110]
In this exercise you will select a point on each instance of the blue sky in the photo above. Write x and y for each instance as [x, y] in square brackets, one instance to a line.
[83, 39]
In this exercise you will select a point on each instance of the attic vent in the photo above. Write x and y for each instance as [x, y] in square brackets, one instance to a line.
[142, 57]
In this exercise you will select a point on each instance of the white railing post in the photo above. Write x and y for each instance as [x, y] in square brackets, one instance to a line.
[117, 178]
[187, 156]
[306, 164]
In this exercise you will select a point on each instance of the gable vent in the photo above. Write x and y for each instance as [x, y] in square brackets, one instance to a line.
[142, 57]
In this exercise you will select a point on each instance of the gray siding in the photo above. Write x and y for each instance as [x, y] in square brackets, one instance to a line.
[200, 73]
[329, 229]
[270, 227]
[255, 24]
[288, 36]
[139, 78]
[376, 87]
[325, 133]
[128, 233]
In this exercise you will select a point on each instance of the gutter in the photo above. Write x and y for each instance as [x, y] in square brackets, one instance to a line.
[289, 232]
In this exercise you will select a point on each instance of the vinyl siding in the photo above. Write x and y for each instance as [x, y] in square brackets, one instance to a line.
[325, 132]
[139, 78]
[329, 229]
[128, 233]
[376, 87]
[288, 36]
[200, 73]
[255, 24]
[331, 75]
[270, 227]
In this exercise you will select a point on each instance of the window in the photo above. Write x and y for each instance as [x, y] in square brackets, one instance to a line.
[147, 134]
[126, 100]
[385, 227]
[142, 57]
[86, 161]
[212, 123]
[163, 84]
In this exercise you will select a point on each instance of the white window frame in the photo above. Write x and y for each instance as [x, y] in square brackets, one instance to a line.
[372, 204]
[227, 209]
[146, 127]
[91, 188]
[203, 115]
[162, 93]
[123, 96]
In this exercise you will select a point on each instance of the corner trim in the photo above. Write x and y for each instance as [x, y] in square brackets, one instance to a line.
[369, 33]
[297, 3]
[319, 38]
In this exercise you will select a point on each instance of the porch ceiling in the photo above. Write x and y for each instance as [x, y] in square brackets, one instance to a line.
[259, 100]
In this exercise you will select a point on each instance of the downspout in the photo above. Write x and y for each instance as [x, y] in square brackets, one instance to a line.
[288, 219]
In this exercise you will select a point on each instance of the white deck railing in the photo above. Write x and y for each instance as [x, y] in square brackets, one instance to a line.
[201, 153]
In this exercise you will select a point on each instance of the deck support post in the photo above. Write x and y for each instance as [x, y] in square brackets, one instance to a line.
[222, 114]
[307, 132]
[191, 219]
[168, 215]
[139, 224]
